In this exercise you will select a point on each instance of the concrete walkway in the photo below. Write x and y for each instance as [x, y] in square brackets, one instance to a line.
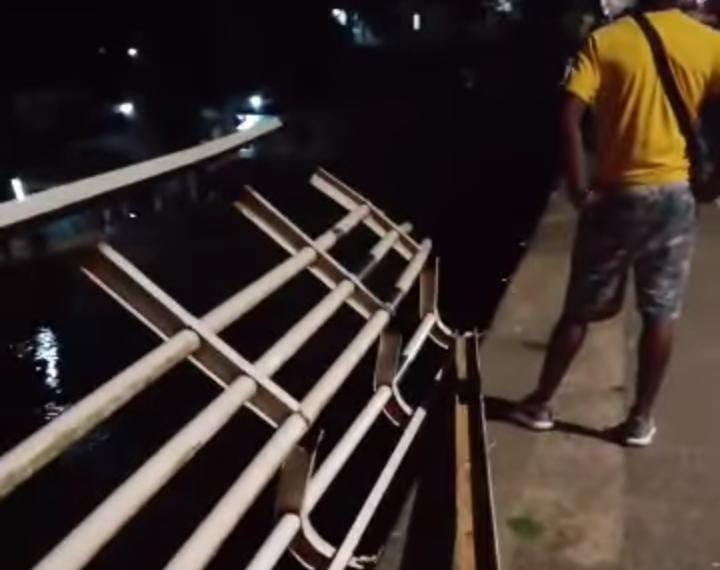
[571, 499]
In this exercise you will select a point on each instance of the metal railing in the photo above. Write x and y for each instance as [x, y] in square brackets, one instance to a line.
[240, 382]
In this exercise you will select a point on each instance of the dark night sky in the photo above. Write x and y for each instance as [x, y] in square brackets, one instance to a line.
[44, 45]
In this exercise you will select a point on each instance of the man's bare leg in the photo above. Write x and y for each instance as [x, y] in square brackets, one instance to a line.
[653, 357]
[567, 339]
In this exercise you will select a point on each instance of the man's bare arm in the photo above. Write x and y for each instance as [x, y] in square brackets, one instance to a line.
[574, 163]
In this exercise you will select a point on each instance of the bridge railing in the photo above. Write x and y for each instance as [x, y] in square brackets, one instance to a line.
[241, 383]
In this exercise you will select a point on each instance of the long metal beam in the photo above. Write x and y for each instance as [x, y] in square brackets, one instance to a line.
[345, 196]
[32, 454]
[243, 384]
[61, 197]
[352, 539]
[290, 523]
[78, 548]
[133, 290]
[286, 234]
[202, 546]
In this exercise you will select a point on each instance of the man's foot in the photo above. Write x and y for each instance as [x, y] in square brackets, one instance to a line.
[638, 431]
[538, 417]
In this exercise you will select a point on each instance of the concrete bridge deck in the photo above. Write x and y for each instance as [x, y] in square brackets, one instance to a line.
[571, 499]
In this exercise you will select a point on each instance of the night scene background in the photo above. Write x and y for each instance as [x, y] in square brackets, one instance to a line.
[443, 113]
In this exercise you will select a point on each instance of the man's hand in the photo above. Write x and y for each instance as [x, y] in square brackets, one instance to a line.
[573, 153]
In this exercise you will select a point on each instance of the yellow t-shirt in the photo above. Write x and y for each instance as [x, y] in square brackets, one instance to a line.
[639, 140]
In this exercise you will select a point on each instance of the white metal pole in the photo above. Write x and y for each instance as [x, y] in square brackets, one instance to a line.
[276, 544]
[340, 454]
[346, 549]
[86, 539]
[55, 199]
[78, 548]
[203, 544]
[232, 309]
[207, 538]
[411, 272]
[22, 461]
[290, 523]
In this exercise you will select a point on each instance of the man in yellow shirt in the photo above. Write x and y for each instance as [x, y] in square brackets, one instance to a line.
[639, 212]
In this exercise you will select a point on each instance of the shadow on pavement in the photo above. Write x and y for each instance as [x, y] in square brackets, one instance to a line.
[499, 410]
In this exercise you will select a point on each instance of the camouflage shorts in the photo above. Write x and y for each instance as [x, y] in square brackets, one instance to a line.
[650, 229]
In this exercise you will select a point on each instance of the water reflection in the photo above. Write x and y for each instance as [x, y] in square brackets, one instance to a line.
[47, 354]
[43, 348]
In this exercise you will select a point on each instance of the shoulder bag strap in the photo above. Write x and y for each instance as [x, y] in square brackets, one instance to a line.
[670, 86]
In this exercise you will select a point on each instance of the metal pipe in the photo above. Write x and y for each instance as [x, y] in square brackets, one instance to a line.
[345, 447]
[294, 338]
[290, 523]
[21, 462]
[276, 544]
[408, 277]
[251, 296]
[415, 344]
[420, 336]
[86, 539]
[78, 548]
[47, 443]
[200, 548]
[207, 538]
[231, 310]
[202, 545]
[347, 548]
[348, 198]
[74, 193]
[320, 394]
[381, 249]
[349, 222]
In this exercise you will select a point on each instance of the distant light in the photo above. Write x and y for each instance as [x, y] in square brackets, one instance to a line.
[248, 151]
[247, 122]
[132, 215]
[102, 50]
[47, 354]
[127, 108]
[257, 102]
[340, 15]
[133, 52]
[505, 6]
[18, 188]
[416, 22]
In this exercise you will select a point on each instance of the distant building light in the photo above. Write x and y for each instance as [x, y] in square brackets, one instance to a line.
[102, 50]
[247, 122]
[417, 22]
[505, 6]
[257, 102]
[133, 52]
[127, 108]
[340, 15]
[132, 215]
[18, 188]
